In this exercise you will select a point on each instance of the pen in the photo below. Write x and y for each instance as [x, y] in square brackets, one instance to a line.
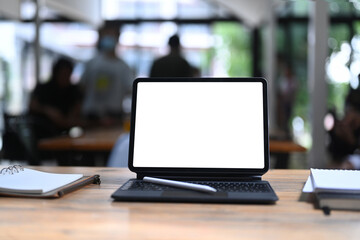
[179, 184]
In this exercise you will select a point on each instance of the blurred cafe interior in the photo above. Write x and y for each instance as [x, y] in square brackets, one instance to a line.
[309, 51]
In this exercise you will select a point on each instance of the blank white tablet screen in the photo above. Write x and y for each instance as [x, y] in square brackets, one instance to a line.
[199, 125]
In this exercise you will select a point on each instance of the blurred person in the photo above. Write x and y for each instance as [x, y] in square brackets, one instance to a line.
[286, 93]
[173, 64]
[119, 155]
[107, 79]
[55, 106]
[196, 72]
[344, 134]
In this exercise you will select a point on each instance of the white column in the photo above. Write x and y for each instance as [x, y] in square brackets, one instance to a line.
[270, 60]
[37, 47]
[317, 53]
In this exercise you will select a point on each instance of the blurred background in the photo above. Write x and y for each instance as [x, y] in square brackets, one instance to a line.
[309, 51]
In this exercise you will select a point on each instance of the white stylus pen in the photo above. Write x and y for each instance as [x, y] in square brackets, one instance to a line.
[179, 184]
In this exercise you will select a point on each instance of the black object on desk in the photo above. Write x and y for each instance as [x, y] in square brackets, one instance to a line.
[211, 131]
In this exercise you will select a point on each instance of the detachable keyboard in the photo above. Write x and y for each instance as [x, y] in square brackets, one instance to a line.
[259, 187]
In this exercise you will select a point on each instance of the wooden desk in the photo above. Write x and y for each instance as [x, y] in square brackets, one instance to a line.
[90, 213]
[92, 140]
[285, 146]
[104, 140]
[280, 149]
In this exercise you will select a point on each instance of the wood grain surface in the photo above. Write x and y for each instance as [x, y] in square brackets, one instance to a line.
[90, 213]
[103, 139]
[285, 146]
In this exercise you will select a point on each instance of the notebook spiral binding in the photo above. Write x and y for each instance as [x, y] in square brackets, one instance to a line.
[12, 169]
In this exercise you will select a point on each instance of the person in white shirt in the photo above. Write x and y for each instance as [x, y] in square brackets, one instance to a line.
[107, 79]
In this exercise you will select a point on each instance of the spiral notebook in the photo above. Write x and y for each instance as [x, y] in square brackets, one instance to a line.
[25, 182]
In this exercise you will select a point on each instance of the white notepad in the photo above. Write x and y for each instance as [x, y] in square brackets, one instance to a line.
[331, 180]
[33, 181]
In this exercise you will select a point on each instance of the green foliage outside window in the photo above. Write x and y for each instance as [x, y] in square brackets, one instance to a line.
[337, 91]
[234, 48]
